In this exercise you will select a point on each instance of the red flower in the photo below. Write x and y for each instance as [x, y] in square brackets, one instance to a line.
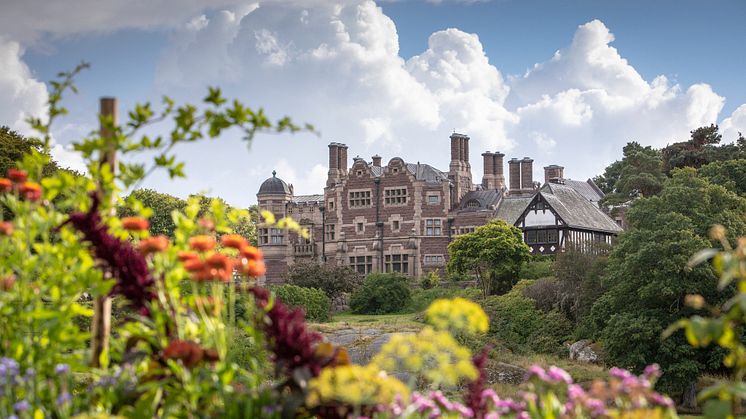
[207, 224]
[17, 175]
[233, 240]
[6, 228]
[253, 268]
[5, 185]
[30, 191]
[135, 223]
[220, 267]
[202, 243]
[188, 352]
[185, 255]
[251, 253]
[6, 283]
[153, 244]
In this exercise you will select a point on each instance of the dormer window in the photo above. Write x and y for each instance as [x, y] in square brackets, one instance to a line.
[473, 204]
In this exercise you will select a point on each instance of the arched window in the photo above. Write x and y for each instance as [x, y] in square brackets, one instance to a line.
[473, 203]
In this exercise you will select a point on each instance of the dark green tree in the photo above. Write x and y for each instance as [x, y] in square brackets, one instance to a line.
[493, 253]
[333, 279]
[647, 277]
[639, 173]
[730, 174]
[13, 146]
[702, 148]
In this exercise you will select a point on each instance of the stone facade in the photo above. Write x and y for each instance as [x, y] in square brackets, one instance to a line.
[394, 218]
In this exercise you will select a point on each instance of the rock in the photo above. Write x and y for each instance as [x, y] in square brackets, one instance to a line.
[500, 372]
[584, 351]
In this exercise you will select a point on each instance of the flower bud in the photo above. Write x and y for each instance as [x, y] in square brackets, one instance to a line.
[717, 232]
[207, 224]
[5, 185]
[6, 228]
[6, 283]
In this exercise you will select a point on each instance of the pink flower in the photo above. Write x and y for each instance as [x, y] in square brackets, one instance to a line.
[619, 373]
[537, 371]
[652, 371]
[559, 375]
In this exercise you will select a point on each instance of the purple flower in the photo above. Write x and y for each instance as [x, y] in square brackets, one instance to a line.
[537, 371]
[21, 406]
[661, 400]
[30, 372]
[10, 366]
[619, 373]
[652, 371]
[60, 369]
[596, 407]
[558, 375]
[63, 398]
[574, 391]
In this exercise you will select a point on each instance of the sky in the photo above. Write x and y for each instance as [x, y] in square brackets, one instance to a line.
[564, 82]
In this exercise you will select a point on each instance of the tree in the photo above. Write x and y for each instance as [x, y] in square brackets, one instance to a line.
[730, 174]
[640, 172]
[702, 148]
[648, 277]
[13, 146]
[493, 253]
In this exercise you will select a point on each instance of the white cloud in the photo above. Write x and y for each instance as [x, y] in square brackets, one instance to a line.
[21, 94]
[734, 124]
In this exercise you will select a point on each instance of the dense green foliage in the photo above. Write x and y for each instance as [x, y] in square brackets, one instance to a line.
[424, 297]
[493, 253]
[382, 293]
[519, 325]
[537, 267]
[315, 303]
[638, 173]
[333, 279]
[648, 277]
[702, 148]
[730, 174]
[13, 147]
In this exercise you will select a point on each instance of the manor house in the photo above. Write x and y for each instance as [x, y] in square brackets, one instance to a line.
[400, 217]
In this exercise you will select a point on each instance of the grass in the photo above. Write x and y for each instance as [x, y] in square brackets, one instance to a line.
[384, 322]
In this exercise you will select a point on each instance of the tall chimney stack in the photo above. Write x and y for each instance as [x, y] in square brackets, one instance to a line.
[488, 179]
[514, 167]
[377, 160]
[342, 159]
[527, 174]
[497, 165]
[553, 173]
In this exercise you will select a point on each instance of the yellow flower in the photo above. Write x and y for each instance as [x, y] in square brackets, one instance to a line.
[457, 315]
[433, 354]
[356, 385]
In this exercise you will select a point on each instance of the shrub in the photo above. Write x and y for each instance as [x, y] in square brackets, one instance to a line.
[382, 293]
[579, 282]
[334, 280]
[521, 326]
[537, 267]
[431, 280]
[314, 301]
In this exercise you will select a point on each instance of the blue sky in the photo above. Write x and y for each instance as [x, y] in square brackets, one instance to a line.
[393, 78]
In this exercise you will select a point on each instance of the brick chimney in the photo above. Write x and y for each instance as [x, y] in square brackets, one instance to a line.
[497, 165]
[337, 163]
[514, 168]
[377, 160]
[459, 170]
[342, 159]
[527, 174]
[488, 179]
[553, 173]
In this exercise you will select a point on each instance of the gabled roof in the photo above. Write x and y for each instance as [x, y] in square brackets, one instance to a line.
[307, 199]
[588, 189]
[511, 208]
[421, 171]
[576, 210]
[487, 199]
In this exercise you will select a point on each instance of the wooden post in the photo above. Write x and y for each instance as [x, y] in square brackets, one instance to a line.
[101, 327]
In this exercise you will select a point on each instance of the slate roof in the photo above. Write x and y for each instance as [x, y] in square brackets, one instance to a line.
[486, 198]
[274, 185]
[576, 209]
[307, 199]
[588, 189]
[421, 171]
[512, 207]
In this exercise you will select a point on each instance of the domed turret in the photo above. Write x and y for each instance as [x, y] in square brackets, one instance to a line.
[274, 186]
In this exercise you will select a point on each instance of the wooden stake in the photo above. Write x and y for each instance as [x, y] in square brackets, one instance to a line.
[101, 327]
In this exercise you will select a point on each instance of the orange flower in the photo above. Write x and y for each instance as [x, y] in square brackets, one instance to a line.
[254, 268]
[220, 267]
[194, 265]
[233, 240]
[6, 228]
[30, 191]
[251, 253]
[153, 244]
[202, 243]
[185, 255]
[6, 283]
[5, 185]
[135, 223]
[17, 175]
